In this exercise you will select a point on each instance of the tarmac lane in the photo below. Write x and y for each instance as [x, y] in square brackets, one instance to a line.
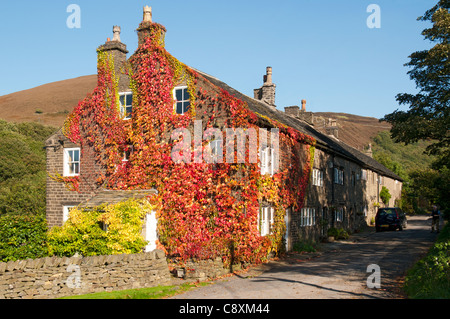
[368, 265]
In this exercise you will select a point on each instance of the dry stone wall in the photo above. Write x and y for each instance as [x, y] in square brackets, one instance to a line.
[203, 270]
[54, 277]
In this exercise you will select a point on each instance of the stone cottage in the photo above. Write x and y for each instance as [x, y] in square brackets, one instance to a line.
[120, 143]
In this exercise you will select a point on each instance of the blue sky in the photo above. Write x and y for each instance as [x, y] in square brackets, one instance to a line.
[321, 51]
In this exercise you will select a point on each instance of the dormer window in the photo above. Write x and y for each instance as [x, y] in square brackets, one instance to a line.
[126, 105]
[182, 98]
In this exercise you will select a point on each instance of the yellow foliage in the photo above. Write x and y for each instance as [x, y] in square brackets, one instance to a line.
[84, 232]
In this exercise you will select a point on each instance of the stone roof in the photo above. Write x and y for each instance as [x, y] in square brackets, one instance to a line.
[323, 141]
[112, 197]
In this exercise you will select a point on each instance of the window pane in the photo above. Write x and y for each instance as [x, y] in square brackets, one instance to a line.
[179, 95]
[129, 99]
[122, 100]
[186, 106]
[76, 168]
[70, 156]
[76, 156]
[129, 111]
[186, 95]
[180, 108]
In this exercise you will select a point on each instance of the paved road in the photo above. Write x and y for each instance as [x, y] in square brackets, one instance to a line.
[338, 271]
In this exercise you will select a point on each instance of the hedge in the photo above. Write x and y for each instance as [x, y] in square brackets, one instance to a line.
[22, 237]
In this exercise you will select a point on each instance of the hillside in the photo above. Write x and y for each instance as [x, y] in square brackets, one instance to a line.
[354, 130]
[50, 104]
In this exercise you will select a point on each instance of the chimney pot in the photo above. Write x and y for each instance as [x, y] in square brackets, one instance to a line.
[268, 77]
[148, 14]
[303, 105]
[116, 32]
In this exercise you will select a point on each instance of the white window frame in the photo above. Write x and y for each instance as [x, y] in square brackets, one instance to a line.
[267, 159]
[317, 177]
[123, 108]
[182, 101]
[266, 220]
[66, 212]
[338, 176]
[272, 162]
[264, 159]
[67, 162]
[339, 214]
[364, 174]
[216, 146]
[307, 217]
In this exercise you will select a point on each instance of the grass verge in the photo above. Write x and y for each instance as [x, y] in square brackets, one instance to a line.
[430, 277]
[159, 292]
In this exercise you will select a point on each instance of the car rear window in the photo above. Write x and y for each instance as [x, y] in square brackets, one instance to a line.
[387, 212]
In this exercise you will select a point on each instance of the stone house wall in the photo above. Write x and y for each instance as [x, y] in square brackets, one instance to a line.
[356, 197]
[58, 195]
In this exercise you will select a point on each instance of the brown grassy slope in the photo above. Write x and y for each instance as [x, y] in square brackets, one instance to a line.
[354, 130]
[54, 100]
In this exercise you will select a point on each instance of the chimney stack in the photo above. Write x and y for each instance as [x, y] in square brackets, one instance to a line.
[332, 129]
[292, 110]
[300, 114]
[149, 29]
[267, 92]
[119, 51]
[368, 151]
[115, 46]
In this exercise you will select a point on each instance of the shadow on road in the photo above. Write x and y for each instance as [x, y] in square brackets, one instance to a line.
[338, 271]
[359, 295]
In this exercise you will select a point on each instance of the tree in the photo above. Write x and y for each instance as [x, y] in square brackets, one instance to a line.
[22, 167]
[424, 186]
[428, 114]
[385, 195]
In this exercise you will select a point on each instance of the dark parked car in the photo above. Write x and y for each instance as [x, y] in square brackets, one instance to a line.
[390, 218]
